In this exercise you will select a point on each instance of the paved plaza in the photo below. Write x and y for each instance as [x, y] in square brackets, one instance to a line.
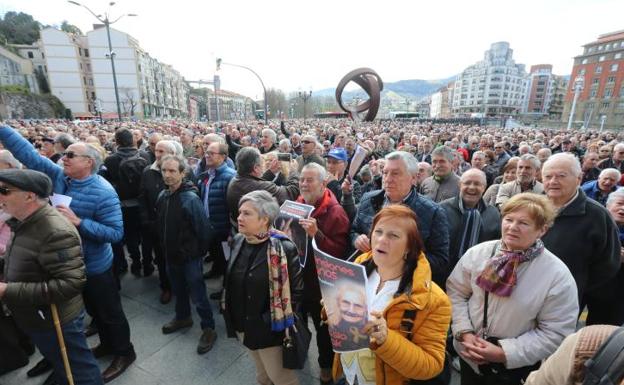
[171, 359]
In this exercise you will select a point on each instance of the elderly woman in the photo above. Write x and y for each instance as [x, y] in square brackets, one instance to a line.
[513, 300]
[607, 182]
[509, 175]
[409, 314]
[263, 287]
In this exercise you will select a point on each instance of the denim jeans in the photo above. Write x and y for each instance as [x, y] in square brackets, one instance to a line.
[83, 365]
[187, 282]
[103, 303]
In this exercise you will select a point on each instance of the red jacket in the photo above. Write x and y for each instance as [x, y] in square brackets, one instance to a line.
[333, 225]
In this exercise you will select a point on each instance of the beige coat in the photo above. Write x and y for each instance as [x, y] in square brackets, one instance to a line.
[509, 189]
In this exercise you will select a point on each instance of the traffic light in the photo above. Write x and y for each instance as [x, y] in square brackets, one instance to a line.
[218, 64]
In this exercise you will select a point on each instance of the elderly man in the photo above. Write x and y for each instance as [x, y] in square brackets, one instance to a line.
[444, 183]
[250, 168]
[44, 267]
[600, 189]
[183, 230]
[329, 227]
[213, 184]
[96, 213]
[479, 162]
[543, 154]
[399, 175]
[268, 141]
[589, 167]
[526, 172]
[470, 220]
[308, 144]
[616, 160]
[207, 140]
[150, 150]
[151, 185]
[186, 139]
[424, 172]
[583, 236]
[348, 192]
[501, 155]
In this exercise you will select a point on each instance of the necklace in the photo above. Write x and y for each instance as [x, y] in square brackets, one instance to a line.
[383, 281]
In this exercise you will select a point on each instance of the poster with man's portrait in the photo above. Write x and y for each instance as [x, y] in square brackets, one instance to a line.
[343, 287]
[288, 222]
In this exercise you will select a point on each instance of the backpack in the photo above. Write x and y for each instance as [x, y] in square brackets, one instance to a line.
[606, 367]
[129, 179]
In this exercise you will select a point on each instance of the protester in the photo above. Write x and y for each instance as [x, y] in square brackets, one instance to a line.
[600, 189]
[45, 272]
[263, 288]
[444, 183]
[583, 235]
[509, 175]
[526, 181]
[308, 144]
[183, 231]
[513, 300]
[96, 213]
[409, 314]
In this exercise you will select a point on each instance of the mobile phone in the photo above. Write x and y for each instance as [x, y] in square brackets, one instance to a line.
[284, 157]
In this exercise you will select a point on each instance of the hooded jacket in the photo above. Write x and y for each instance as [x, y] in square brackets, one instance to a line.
[181, 224]
[217, 197]
[398, 359]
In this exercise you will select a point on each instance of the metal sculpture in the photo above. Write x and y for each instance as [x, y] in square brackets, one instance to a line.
[371, 83]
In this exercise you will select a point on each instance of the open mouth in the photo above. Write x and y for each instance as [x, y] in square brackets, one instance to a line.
[380, 251]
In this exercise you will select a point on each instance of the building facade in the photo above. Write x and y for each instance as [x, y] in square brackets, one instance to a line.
[601, 66]
[440, 104]
[495, 86]
[541, 85]
[16, 71]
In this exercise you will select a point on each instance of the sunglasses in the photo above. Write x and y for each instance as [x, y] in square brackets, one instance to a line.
[72, 155]
[5, 190]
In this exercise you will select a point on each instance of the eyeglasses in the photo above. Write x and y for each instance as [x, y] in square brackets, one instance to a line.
[212, 153]
[72, 155]
[5, 190]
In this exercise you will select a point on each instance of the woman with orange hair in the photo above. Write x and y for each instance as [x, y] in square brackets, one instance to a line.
[409, 314]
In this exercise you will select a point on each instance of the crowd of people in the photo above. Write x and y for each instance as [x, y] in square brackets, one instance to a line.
[483, 246]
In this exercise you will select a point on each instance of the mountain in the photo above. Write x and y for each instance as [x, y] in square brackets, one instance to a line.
[411, 89]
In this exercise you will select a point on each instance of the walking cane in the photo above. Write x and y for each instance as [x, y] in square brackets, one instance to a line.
[59, 334]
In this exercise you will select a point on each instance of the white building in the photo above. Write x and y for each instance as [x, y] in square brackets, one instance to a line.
[435, 109]
[494, 86]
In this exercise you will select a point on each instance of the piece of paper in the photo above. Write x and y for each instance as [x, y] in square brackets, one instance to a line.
[288, 222]
[343, 287]
[60, 200]
[356, 161]
[226, 250]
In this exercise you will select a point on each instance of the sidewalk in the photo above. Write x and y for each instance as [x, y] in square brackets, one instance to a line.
[172, 359]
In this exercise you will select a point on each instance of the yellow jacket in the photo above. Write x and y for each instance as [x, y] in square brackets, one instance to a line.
[398, 360]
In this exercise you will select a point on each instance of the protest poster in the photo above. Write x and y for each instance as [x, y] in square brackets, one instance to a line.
[288, 222]
[356, 161]
[343, 287]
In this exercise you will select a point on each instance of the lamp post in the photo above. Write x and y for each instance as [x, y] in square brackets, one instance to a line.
[305, 96]
[579, 83]
[266, 105]
[106, 21]
[603, 118]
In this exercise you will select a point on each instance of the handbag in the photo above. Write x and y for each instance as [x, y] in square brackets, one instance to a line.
[295, 344]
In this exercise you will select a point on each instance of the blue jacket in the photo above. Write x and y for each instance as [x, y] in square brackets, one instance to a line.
[94, 201]
[592, 191]
[432, 225]
[217, 194]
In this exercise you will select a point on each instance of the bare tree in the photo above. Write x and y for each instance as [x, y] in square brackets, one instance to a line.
[129, 101]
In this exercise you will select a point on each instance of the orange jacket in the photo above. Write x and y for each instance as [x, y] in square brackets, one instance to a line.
[398, 360]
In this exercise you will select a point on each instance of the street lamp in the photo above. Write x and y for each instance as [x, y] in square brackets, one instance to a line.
[579, 83]
[106, 21]
[266, 105]
[305, 96]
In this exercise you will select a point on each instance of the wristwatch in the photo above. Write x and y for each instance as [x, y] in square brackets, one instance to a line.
[459, 334]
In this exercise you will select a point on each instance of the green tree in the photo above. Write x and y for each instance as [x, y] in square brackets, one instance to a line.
[19, 28]
[44, 87]
[70, 28]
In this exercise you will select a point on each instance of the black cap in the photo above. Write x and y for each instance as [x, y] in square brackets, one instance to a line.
[28, 180]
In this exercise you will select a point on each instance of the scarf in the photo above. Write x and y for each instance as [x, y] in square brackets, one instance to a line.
[471, 225]
[500, 273]
[282, 316]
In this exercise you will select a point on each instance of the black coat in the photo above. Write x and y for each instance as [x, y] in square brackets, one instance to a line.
[151, 185]
[257, 328]
[586, 239]
[490, 226]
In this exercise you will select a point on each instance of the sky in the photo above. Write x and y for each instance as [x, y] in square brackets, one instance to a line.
[295, 45]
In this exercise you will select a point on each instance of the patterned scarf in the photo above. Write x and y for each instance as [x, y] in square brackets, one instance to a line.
[282, 316]
[499, 275]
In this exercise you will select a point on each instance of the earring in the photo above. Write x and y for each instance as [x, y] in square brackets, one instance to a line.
[405, 256]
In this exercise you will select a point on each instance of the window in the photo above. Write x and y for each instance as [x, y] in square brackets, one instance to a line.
[620, 106]
[30, 55]
[42, 55]
[88, 67]
[80, 65]
[584, 61]
[40, 68]
[608, 46]
[611, 79]
[598, 69]
[592, 94]
[90, 82]
[601, 58]
[614, 67]
[600, 47]
[608, 92]
[596, 81]
[92, 95]
[86, 52]
[84, 80]
[79, 51]
[618, 55]
[582, 72]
